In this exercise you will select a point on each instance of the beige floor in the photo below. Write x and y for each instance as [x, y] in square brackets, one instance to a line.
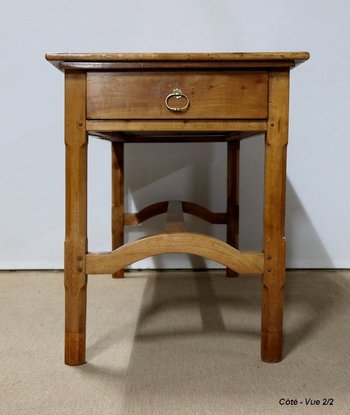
[174, 343]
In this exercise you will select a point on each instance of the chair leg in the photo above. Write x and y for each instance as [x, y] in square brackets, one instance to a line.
[232, 210]
[117, 199]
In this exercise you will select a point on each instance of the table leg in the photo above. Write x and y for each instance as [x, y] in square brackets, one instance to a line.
[117, 199]
[232, 198]
[75, 278]
[274, 216]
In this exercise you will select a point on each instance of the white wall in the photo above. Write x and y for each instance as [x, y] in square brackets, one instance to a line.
[31, 127]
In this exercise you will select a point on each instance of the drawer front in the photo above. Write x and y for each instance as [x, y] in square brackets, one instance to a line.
[169, 95]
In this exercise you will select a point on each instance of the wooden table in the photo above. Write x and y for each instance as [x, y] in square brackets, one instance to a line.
[162, 97]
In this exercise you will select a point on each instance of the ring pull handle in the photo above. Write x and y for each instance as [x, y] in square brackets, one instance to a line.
[177, 94]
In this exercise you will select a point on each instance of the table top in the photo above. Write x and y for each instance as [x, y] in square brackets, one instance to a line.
[100, 60]
[120, 57]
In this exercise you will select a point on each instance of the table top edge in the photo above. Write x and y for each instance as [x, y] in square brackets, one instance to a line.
[177, 57]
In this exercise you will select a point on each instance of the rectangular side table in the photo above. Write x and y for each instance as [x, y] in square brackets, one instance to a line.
[146, 97]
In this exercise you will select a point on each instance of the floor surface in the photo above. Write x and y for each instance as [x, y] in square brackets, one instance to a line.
[175, 343]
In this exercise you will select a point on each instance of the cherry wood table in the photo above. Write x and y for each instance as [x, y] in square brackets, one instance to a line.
[160, 97]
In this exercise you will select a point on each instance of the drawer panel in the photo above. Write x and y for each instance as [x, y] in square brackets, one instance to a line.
[133, 95]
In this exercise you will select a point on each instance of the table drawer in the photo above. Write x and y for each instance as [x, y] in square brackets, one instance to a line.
[168, 95]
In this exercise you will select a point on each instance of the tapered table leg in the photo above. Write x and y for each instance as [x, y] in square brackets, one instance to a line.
[274, 217]
[75, 279]
[232, 210]
[117, 199]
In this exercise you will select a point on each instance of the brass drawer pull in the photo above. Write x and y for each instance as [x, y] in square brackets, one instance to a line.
[177, 94]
